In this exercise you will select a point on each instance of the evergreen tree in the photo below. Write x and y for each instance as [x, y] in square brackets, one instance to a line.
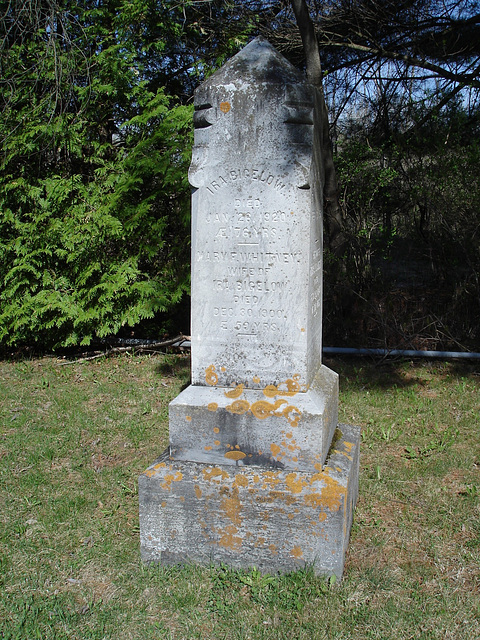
[94, 201]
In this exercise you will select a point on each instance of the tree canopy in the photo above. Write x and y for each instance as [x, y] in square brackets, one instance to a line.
[95, 131]
[95, 148]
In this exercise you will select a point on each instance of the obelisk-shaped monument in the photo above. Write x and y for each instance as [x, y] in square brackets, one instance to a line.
[251, 476]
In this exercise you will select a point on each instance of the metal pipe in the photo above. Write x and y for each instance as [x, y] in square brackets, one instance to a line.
[346, 351]
[408, 353]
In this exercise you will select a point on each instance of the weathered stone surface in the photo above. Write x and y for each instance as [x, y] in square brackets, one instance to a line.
[250, 477]
[256, 224]
[275, 520]
[279, 427]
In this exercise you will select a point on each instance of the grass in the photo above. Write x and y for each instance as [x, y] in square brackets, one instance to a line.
[75, 437]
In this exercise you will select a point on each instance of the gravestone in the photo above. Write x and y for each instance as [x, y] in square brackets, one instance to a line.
[258, 472]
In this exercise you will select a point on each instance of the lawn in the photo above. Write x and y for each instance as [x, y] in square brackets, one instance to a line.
[74, 438]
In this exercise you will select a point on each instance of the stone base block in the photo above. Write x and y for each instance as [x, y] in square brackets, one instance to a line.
[273, 519]
[280, 426]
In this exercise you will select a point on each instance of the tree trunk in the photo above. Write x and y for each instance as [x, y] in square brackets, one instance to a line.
[331, 196]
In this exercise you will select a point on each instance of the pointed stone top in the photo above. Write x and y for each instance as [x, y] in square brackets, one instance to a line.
[259, 61]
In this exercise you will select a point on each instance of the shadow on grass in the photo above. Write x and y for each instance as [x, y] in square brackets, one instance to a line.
[361, 373]
[175, 365]
[401, 373]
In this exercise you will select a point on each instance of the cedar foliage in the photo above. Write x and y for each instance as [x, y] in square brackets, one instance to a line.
[95, 130]
[94, 198]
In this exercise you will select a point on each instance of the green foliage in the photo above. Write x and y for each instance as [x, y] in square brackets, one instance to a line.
[95, 127]
[94, 201]
[410, 272]
[95, 133]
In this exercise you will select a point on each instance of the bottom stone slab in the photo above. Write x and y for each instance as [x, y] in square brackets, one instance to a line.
[275, 520]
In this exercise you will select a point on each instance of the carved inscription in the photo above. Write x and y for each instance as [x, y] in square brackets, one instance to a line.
[245, 247]
[256, 222]
[260, 176]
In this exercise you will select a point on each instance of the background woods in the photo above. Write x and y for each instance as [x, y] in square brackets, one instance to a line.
[95, 130]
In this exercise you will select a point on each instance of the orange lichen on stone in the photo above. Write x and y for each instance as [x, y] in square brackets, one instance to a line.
[256, 379]
[262, 409]
[343, 453]
[271, 477]
[241, 480]
[275, 449]
[228, 539]
[273, 549]
[276, 496]
[151, 472]
[332, 493]
[235, 455]
[294, 484]
[322, 516]
[270, 391]
[292, 414]
[213, 406]
[235, 393]
[230, 506]
[208, 448]
[216, 443]
[313, 500]
[211, 377]
[216, 430]
[225, 107]
[188, 418]
[215, 472]
[169, 478]
[296, 552]
[292, 384]
[198, 491]
[238, 407]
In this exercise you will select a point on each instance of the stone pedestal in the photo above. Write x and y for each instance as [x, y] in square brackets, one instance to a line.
[251, 476]
[275, 520]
